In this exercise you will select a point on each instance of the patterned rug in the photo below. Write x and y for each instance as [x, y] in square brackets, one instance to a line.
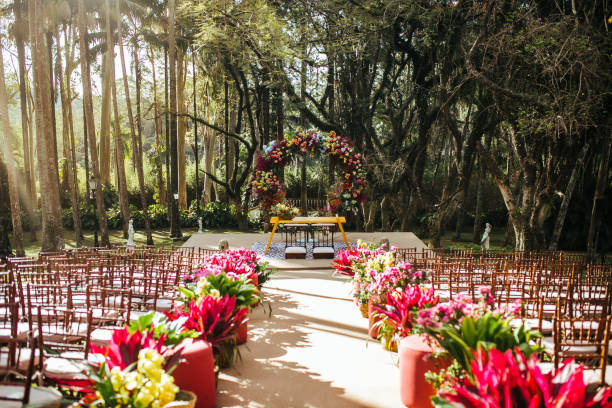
[277, 249]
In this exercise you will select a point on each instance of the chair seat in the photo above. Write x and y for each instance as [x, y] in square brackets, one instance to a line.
[23, 362]
[161, 304]
[65, 369]
[323, 253]
[101, 336]
[294, 252]
[22, 331]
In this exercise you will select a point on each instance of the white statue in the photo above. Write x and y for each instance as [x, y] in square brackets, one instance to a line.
[199, 225]
[484, 242]
[130, 240]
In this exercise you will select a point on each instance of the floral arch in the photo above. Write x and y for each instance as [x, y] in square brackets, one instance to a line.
[268, 189]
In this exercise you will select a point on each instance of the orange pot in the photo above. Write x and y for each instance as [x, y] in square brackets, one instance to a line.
[415, 391]
[196, 373]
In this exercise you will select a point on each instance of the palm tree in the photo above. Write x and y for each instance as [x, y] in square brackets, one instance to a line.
[135, 149]
[119, 154]
[89, 123]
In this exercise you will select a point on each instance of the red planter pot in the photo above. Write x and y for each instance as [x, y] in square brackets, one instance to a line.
[372, 331]
[242, 333]
[196, 373]
[415, 391]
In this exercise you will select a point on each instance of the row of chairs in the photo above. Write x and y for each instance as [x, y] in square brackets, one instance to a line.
[61, 303]
[566, 299]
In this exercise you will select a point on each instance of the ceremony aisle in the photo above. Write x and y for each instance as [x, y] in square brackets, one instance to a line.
[313, 351]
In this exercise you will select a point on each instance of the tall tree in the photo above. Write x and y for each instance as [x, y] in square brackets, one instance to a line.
[175, 231]
[67, 143]
[135, 145]
[52, 231]
[20, 33]
[7, 152]
[119, 153]
[89, 122]
[157, 125]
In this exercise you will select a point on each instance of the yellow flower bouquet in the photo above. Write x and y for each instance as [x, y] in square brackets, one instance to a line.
[142, 384]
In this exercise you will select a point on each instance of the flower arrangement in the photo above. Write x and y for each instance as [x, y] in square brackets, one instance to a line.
[142, 384]
[392, 277]
[398, 312]
[267, 188]
[353, 183]
[284, 211]
[511, 380]
[462, 325]
[222, 284]
[133, 371]
[216, 319]
[236, 261]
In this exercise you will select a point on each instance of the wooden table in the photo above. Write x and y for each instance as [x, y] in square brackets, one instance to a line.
[275, 221]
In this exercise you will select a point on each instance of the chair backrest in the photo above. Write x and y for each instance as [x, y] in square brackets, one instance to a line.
[17, 361]
[586, 340]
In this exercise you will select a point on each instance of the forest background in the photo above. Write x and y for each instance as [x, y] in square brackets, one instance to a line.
[466, 112]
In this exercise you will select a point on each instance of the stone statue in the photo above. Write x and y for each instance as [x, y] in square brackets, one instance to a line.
[130, 240]
[223, 245]
[484, 242]
[199, 225]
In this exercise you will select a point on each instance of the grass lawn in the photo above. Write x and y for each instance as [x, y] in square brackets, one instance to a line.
[161, 237]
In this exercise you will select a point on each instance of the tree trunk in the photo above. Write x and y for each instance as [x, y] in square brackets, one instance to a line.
[598, 199]
[5, 224]
[7, 151]
[176, 228]
[138, 143]
[182, 127]
[49, 36]
[52, 231]
[158, 147]
[89, 123]
[119, 153]
[66, 147]
[75, 181]
[569, 191]
[20, 26]
[105, 117]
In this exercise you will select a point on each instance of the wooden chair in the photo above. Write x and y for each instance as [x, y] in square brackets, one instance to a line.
[17, 359]
[584, 339]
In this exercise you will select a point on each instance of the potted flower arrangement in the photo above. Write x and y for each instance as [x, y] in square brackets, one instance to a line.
[216, 319]
[267, 188]
[135, 371]
[397, 313]
[462, 325]
[511, 380]
[284, 211]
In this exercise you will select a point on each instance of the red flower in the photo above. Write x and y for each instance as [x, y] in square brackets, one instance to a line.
[217, 319]
[510, 380]
[123, 348]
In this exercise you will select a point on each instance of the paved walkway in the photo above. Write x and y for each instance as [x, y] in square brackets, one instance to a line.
[312, 351]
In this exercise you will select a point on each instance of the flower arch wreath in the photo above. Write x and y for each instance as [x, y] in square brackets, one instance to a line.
[349, 191]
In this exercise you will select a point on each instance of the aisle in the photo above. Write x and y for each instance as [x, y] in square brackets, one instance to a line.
[313, 351]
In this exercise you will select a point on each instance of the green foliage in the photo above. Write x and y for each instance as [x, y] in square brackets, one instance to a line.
[488, 331]
[220, 285]
[160, 325]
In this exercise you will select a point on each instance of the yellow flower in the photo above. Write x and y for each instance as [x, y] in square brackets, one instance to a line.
[132, 380]
[215, 293]
[116, 379]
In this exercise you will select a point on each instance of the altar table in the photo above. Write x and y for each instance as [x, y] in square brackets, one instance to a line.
[275, 221]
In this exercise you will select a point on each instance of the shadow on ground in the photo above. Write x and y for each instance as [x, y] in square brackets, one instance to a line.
[284, 383]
